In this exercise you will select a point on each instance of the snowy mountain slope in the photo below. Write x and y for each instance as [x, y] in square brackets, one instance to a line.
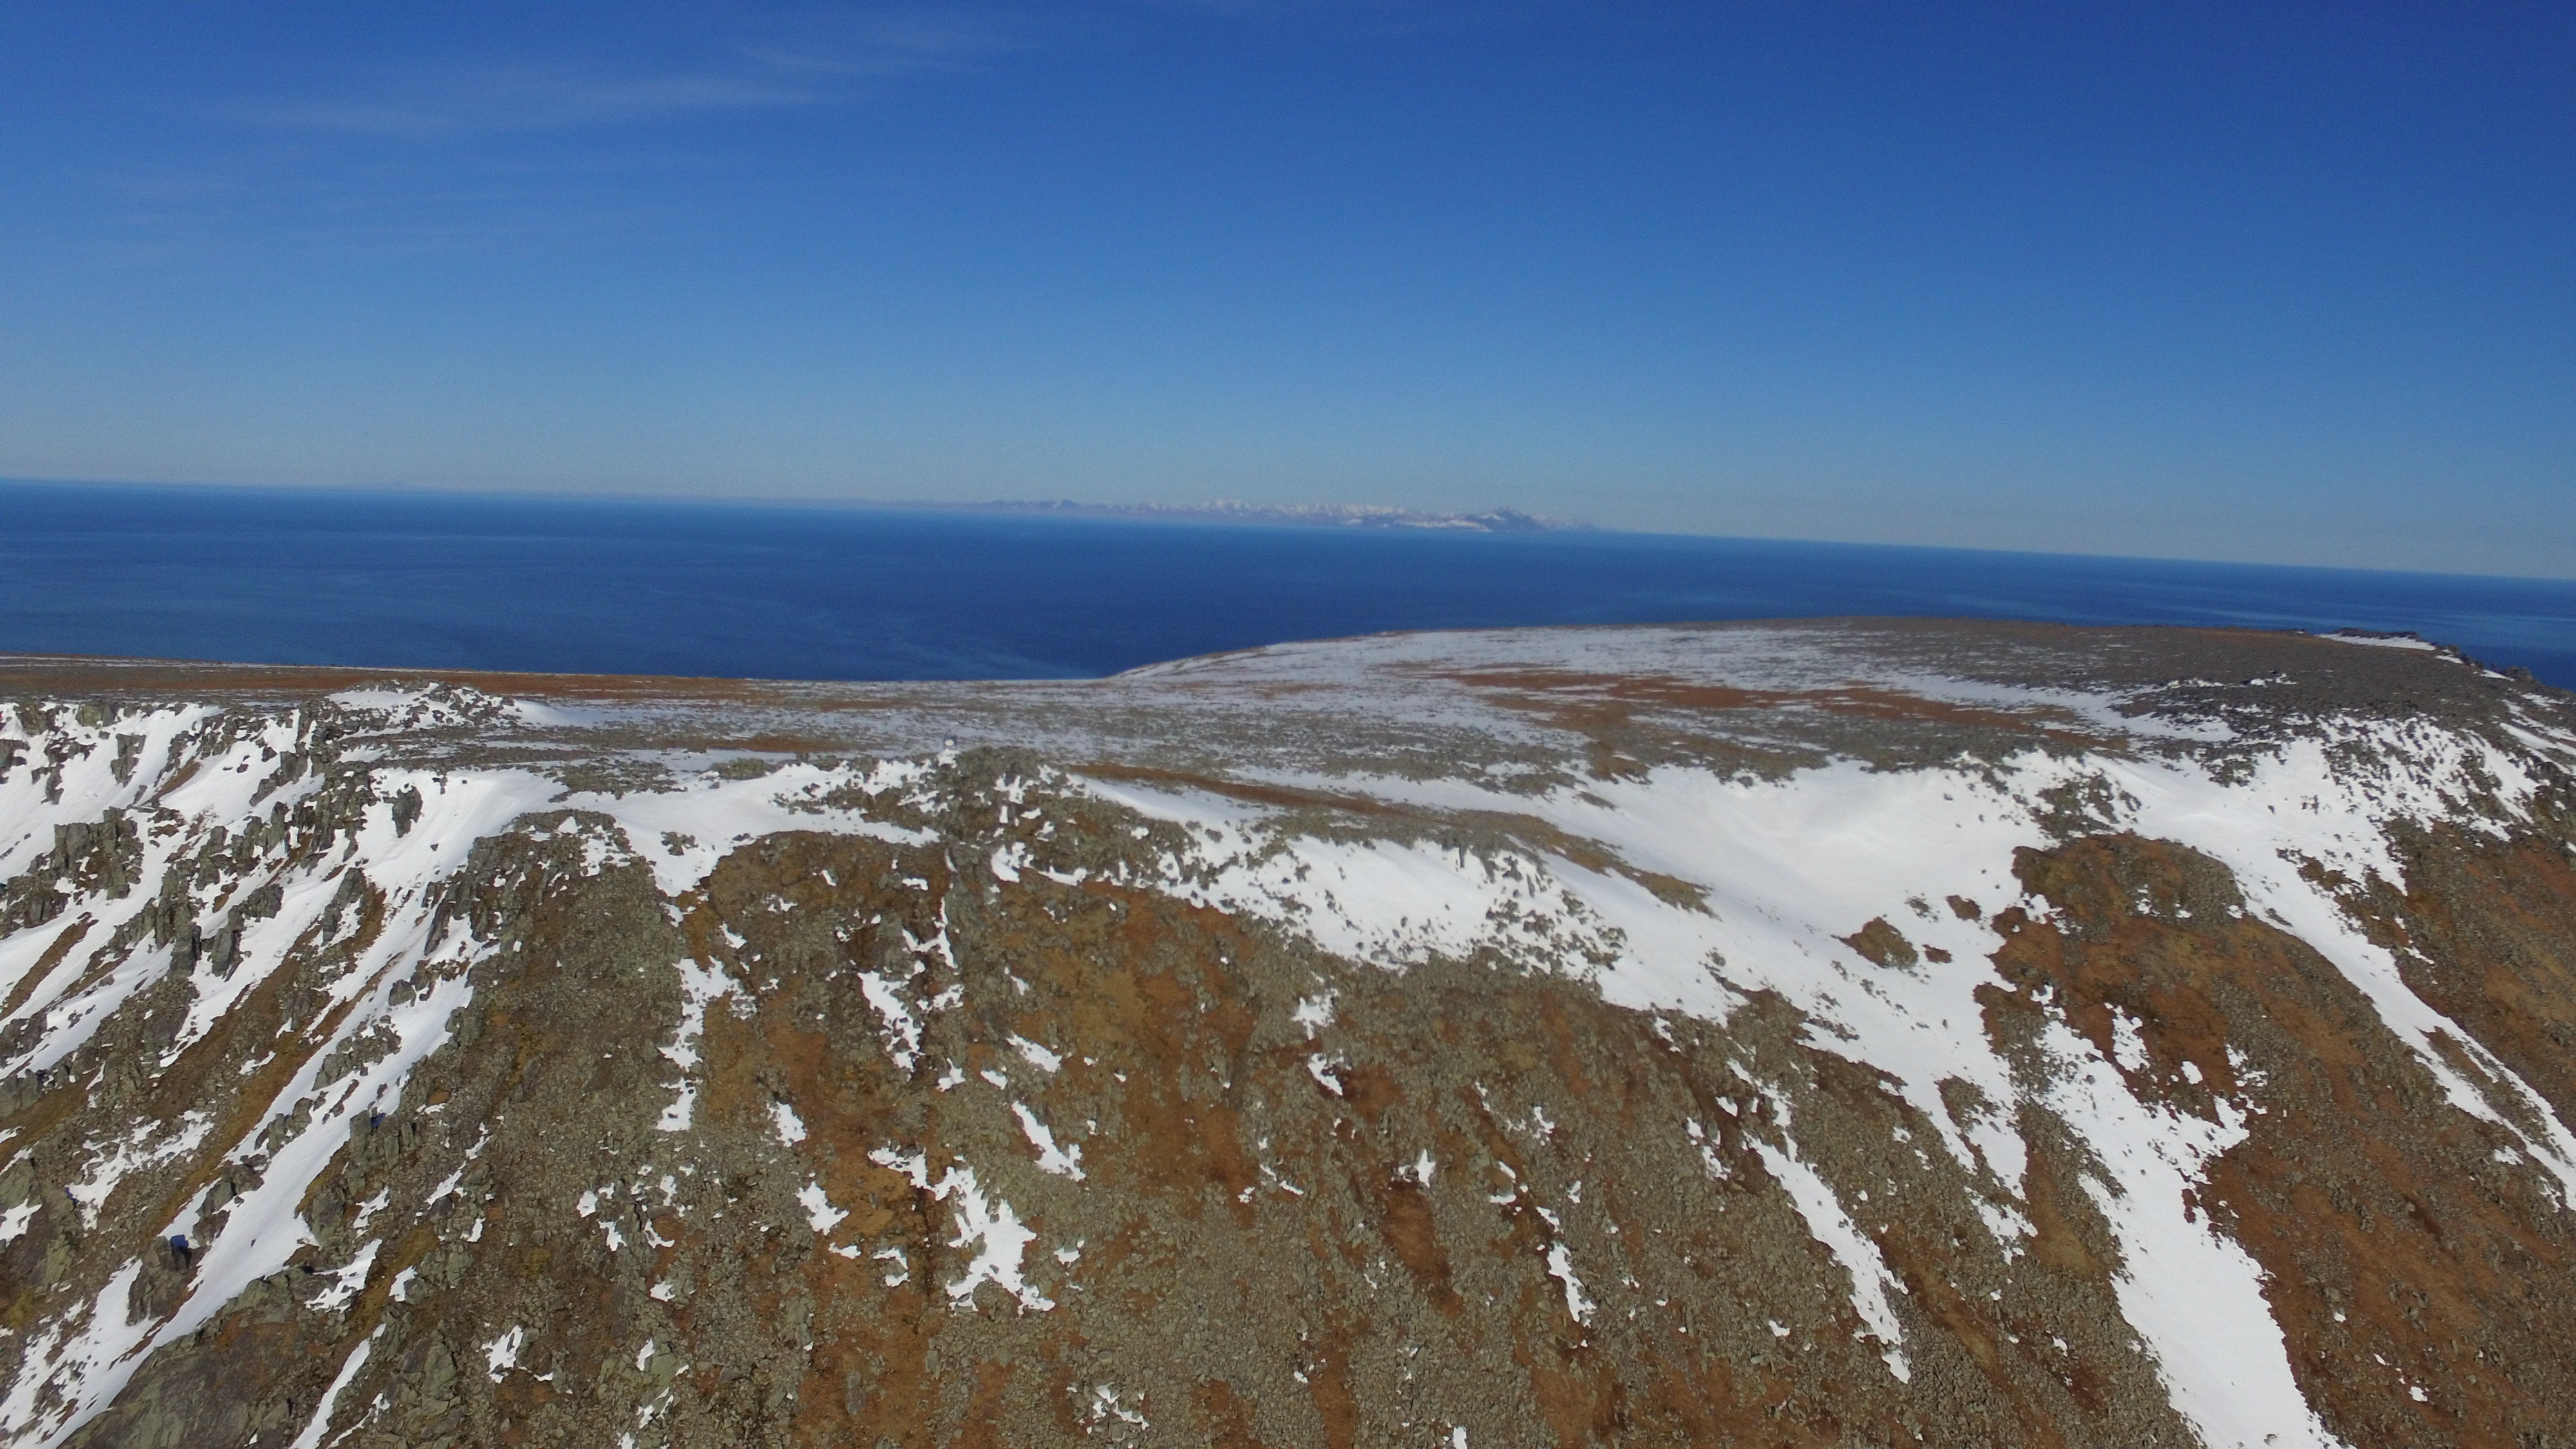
[1860, 1032]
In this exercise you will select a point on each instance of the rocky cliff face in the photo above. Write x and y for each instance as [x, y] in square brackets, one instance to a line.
[1860, 1033]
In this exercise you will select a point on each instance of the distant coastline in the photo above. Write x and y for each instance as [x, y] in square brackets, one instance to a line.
[1301, 515]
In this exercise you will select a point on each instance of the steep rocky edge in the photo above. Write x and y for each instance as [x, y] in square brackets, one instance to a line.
[1847, 1033]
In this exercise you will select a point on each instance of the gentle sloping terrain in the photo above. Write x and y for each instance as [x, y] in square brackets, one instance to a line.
[1862, 1032]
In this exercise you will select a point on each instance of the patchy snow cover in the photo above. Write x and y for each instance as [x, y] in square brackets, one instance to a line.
[819, 1212]
[182, 778]
[67, 1374]
[1063, 1162]
[699, 984]
[2191, 1292]
[2382, 641]
[1314, 1013]
[902, 1028]
[1560, 1266]
[993, 1229]
[116, 1159]
[502, 1354]
[1791, 866]
[1042, 1058]
[789, 1126]
[683, 832]
[1786, 869]
[84, 785]
[1830, 1225]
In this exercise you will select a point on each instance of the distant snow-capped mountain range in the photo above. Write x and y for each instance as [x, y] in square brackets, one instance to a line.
[1316, 515]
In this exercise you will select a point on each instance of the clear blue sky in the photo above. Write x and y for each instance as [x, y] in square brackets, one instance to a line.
[2282, 282]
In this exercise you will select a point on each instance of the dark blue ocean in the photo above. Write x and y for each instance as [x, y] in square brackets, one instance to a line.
[482, 582]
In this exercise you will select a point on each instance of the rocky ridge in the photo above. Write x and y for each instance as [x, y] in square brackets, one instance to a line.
[1865, 1032]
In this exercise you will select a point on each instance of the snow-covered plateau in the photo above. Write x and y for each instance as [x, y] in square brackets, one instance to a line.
[1859, 1032]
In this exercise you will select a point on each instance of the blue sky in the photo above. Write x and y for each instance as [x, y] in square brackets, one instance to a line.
[2277, 282]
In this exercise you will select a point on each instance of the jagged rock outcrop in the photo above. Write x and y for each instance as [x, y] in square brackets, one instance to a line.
[1856, 1033]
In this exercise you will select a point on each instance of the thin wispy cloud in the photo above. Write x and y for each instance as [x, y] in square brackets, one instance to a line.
[816, 58]
[516, 144]
[521, 139]
[471, 100]
[898, 44]
[818, 62]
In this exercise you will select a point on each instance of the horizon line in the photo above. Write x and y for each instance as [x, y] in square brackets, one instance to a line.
[1215, 513]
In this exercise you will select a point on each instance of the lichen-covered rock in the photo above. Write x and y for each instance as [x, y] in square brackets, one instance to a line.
[1863, 1033]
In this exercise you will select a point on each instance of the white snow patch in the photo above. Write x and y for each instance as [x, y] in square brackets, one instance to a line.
[818, 1208]
[683, 833]
[1560, 1266]
[1064, 1162]
[789, 1126]
[1828, 1224]
[349, 1281]
[903, 1029]
[1314, 1013]
[502, 1354]
[993, 1228]
[320, 1423]
[699, 985]
[2196, 1296]
[2382, 641]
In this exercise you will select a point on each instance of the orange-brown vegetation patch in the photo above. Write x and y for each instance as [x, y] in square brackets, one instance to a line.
[1227, 1416]
[1882, 944]
[1328, 1383]
[1415, 1236]
[1579, 1408]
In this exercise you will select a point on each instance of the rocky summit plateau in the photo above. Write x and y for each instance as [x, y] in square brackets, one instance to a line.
[1846, 1033]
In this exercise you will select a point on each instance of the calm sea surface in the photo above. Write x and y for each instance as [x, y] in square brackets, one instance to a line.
[359, 578]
